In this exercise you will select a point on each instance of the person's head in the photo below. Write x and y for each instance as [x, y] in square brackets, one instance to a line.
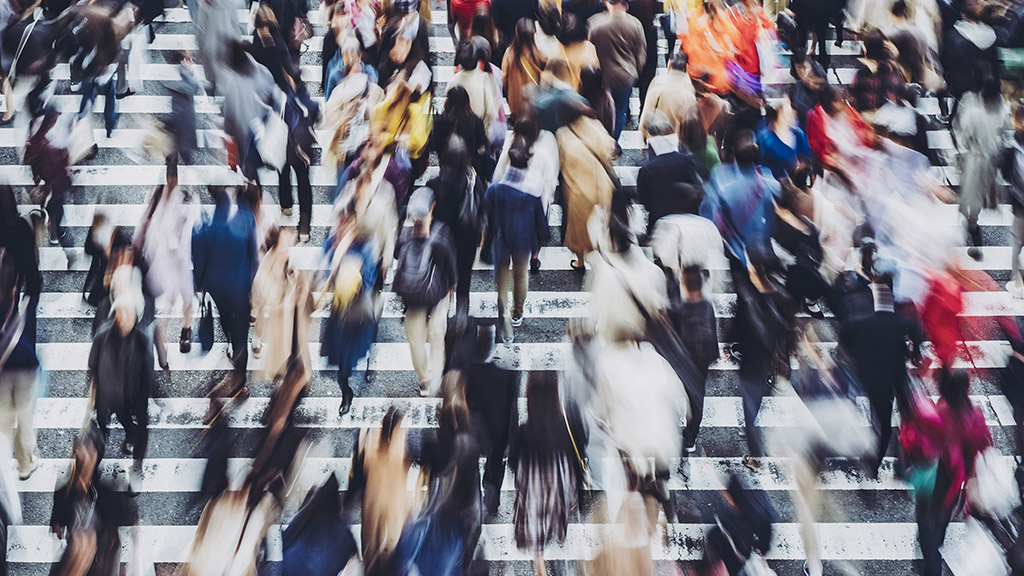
[617, 5]
[523, 42]
[251, 194]
[420, 211]
[884, 272]
[678, 61]
[481, 51]
[745, 149]
[549, 19]
[874, 46]
[524, 136]
[392, 421]
[240, 60]
[802, 175]
[831, 100]
[899, 9]
[693, 282]
[953, 387]
[574, 29]
[88, 451]
[780, 115]
[265, 18]
[483, 24]
[464, 56]
[974, 10]
[455, 158]
[453, 397]
[340, 18]
[592, 85]
[542, 402]
[351, 53]
[657, 124]
[8, 205]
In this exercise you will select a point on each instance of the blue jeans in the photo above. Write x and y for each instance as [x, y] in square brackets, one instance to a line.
[620, 96]
[90, 89]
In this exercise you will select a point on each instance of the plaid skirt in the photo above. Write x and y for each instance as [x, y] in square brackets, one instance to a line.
[545, 494]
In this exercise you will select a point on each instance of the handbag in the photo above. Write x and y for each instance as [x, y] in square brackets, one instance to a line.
[271, 138]
[206, 322]
[81, 140]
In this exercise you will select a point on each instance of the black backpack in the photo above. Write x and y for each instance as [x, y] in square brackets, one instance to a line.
[417, 280]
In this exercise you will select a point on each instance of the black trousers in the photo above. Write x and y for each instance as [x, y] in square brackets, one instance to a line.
[696, 401]
[284, 192]
[234, 320]
[134, 418]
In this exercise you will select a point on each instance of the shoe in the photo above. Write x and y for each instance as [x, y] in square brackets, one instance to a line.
[736, 353]
[165, 367]
[534, 265]
[54, 240]
[492, 497]
[975, 253]
[346, 401]
[286, 212]
[26, 473]
[692, 448]
[75, 86]
[127, 448]
[1015, 290]
[303, 238]
[813, 309]
[517, 321]
[185, 341]
[807, 570]
[257, 349]
[425, 392]
[751, 463]
[508, 338]
[94, 150]
[229, 352]
[577, 267]
[124, 94]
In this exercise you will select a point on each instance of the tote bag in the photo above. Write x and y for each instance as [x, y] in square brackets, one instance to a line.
[271, 137]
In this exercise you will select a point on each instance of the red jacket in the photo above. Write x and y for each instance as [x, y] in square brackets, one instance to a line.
[821, 141]
[939, 315]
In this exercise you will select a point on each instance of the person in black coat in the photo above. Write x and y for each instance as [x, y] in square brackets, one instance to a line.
[404, 43]
[669, 181]
[967, 43]
[816, 16]
[694, 320]
[88, 507]
[301, 114]
[458, 119]
[879, 345]
[507, 14]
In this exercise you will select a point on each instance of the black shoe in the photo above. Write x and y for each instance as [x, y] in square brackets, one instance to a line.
[346, 401]
[975, 253]
[185, 341]
[578, 267]
[534, 265]
[125, 94]
[491, 499]
[127, 448]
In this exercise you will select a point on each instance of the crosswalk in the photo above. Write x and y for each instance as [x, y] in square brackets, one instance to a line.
[869, 523]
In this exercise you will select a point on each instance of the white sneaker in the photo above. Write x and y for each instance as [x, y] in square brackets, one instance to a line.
[1015, 290]
[286, 212]
[26, 473]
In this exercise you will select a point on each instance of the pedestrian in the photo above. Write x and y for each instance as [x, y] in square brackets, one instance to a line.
[380, 467]
[516, 229]
[301, 113]
[48, 159]
[622, 49]
[969, 44]
[694, 137]
[585, 153]
[545, 459]
[981, 121]
[597, 96]
[458, 119]
[877, 79]
[669, 180]
[225, 256]
[459, 195]
[424, 278]
[347, 61]
[121, 364]
[879, 345]
[248, 91]
[182, 121]
[19, 266]
[355, 264]
[694, 320]
[644, 11]
[783, 143]
[269, 46]
[163, 239]
[474, 76]
[579, 52]
[521, 67]
[961, 438]
[1011, 167]
[742, 530]
[671, 94]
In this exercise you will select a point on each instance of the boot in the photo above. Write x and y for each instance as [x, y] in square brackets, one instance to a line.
[185, 340]
[346, 398]
[975, 238]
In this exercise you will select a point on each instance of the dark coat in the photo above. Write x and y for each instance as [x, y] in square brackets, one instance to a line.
[960, 57]
[225, 254]
[880, 345]
[669, 184]
[112, 509]
[182, 122]
[122, 367]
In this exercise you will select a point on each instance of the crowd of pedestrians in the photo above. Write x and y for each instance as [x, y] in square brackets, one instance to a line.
[818, 199]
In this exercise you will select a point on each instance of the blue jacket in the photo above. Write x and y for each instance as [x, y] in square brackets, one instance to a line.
[777, 155]
[225, 253]
[740, 203]
[515, 221]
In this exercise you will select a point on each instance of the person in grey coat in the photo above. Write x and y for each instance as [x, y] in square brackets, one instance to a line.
[181, 123]
[248, 91]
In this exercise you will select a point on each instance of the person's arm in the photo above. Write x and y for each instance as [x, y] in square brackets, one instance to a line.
[640, 48]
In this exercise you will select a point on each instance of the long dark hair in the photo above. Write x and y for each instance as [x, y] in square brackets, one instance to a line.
[953, 386]
[455, 159]
[525, 134]
[618, 222]
[8, 206]
[392, 420]
[457, 108]
[545, 423]
[523, 41]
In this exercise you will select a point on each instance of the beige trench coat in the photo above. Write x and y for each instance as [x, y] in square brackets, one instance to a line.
[583, 147]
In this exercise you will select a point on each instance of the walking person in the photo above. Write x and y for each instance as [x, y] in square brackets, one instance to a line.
[1011, 166]
[48, 159]
[458, 195]
[225, 256]
[516, 229]
[521, 67]
[424, 279]
[622, 49]
[301, 114]
[694, 319]
[182, 121]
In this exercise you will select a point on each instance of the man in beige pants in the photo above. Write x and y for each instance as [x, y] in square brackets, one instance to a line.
[19, 385]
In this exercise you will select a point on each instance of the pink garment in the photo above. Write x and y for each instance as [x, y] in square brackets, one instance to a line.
[965, 436]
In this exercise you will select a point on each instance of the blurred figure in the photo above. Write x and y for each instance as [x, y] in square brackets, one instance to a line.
[459, 194]
[669, 181]
[164, 240]
[694, 320]
[969, 44]
[597, 96]
[981, 120]
[47, 156]
[87, 512]
[782, 142]
[622, 49]
[248, 91]
[836, 133]
[424, 278]
[121, 364]
[540, 178]
[225, 253]
[283, 303]
[219, 30]
[877, 79]
[459, 120]
[671, 94]
[878, 346]
[961, 438]
[301, 114]
[347, 61]
[629, 551]
[545, 456]
[380, 467]
[521, 67]
[516, 229]
[182, 121]
[355, 265]
[1011, 167]
[475, 78]
[20, 279]
[695, 138]
[585, 153]
[579, 52]
[404, 41]
[318, 541]
[743, 527]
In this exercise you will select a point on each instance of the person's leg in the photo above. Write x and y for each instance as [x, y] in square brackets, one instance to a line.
[521, 283]
[110, 114]
[620, 96]
[416, 334]
[1018, 243]
[305, 198]
[122, 71]
[465, 255]
[503, 284]
[88, 90]
[59, 189]
[821, 31]
[806, 505]
[284, 187]
[239, 336]
[696, 401]
[140, 412]
[931, 532]
[754, 372]
[437, 326]
[881, 415]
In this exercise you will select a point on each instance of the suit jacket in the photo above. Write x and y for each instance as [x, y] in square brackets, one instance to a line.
[669, 184]
[880, 345]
